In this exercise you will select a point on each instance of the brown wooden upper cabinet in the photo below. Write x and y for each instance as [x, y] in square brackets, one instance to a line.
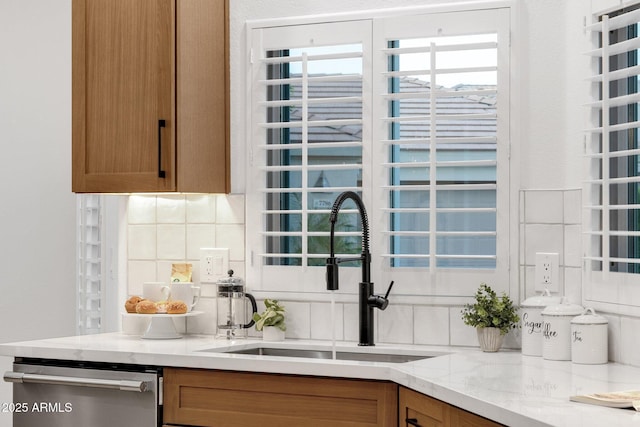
[150, 96]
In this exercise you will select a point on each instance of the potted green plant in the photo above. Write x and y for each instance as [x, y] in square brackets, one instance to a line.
[271, 321]
[492, 316]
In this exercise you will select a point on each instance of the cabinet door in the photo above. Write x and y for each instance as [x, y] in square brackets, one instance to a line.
[238, 399]
[123, 105]
[202, 134]
[461, 418]
[418, 410]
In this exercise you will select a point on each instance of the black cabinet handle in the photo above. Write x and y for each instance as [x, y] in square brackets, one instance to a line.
[412, 422]
[161, 124]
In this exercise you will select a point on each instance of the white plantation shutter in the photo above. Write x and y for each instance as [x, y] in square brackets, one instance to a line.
[445, 149]
[309, 101]
[612, 149]
[90, 267]
[370, 106]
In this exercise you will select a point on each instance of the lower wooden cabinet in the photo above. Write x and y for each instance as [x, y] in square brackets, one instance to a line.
[195, 397]
[418, 410]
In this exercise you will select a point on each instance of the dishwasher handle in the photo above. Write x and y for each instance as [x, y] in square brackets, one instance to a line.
[123, 385]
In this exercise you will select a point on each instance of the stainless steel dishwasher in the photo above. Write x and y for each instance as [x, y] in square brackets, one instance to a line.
[68, 394]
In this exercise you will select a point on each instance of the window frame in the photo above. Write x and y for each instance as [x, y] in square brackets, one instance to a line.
[310, 281]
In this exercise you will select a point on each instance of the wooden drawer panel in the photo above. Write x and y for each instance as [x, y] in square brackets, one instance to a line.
[424, 410]
[215, 398]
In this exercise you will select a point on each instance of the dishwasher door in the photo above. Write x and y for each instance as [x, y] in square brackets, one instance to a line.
[55, 396]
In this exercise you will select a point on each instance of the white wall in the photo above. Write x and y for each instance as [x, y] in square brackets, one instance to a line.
[551, 67]
[37, 212]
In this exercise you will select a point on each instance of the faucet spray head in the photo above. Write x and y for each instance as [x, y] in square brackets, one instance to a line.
[332, 274]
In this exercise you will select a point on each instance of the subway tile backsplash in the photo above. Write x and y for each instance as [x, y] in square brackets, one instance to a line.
[172, 228]
[162, 230]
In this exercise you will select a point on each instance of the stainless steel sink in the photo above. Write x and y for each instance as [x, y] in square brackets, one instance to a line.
[328, 354]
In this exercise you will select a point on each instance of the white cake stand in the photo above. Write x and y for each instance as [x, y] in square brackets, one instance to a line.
[161, 326]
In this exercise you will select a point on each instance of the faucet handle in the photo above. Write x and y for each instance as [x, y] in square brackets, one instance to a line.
[388, 290]
[378, 301]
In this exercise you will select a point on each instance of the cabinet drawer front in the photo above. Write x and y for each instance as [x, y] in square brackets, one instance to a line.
[209, 398]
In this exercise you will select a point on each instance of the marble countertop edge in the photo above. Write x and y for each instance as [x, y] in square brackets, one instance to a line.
[506, 386]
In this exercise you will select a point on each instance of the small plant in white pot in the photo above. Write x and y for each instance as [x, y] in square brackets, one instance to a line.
[271, 321]
[492, 316]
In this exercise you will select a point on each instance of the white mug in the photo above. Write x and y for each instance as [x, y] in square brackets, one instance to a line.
[186, 292]
[156, 291]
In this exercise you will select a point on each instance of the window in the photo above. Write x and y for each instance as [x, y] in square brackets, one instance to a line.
[613, 213]
[410, 112]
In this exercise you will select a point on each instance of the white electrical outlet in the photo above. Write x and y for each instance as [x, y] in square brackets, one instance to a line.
[214, 263]
[547, 271]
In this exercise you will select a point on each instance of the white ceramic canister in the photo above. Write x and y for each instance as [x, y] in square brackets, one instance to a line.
[531, 317]
[556, 330]
[589, 338]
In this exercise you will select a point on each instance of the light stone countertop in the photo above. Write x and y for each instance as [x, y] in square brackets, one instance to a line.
[506, 387]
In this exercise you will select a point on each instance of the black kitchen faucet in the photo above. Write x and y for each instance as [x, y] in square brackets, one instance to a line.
[367, 300]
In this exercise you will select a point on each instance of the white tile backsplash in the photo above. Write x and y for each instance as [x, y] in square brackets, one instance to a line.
[573, 284]
[163, 269]
[572, 245]
[167, 229]
[204, 323]
[231, 236]
[459, 333]
[556, 231]
[139, 272]
[199, 236]
[207, 289]
[171, 209]
[573, 207]
[614, 337]
[543, 238]
[629, 353]
[395, 324]
[298, 319]
[321, 321]
[171, 241]
[141, 242]
[201, 209]
[351, 327]
[141, 209]
[230, 209]
[431, 325]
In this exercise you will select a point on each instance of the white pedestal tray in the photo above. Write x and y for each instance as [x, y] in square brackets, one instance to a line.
[161, 326]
